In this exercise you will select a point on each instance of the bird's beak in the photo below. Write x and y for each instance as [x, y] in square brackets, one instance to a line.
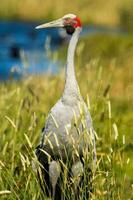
[55, 23]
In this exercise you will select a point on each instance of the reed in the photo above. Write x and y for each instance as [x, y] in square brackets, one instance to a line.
[24, 104]
[109, 13]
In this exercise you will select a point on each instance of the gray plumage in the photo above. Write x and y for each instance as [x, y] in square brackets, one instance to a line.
[69, 120]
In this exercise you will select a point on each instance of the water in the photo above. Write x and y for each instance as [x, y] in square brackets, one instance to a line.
[23, 50]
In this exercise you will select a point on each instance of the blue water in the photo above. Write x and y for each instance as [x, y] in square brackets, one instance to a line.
[23, 49]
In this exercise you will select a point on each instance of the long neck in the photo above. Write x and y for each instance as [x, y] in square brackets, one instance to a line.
[71, 86]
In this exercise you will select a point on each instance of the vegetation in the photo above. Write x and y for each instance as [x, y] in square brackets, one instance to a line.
[104, 73]
[126, 16]
[101, 12]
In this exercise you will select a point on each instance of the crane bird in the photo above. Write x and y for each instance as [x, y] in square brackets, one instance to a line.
[68, 132]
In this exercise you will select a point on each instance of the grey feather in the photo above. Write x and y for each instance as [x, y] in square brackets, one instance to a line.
[68, 130]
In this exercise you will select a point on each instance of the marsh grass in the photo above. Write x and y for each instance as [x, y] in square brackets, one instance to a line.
[111, 13]
[106, 87]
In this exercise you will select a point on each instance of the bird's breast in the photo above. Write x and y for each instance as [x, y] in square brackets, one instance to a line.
[64, 130]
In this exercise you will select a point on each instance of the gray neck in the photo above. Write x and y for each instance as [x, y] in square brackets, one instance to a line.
[71, 86]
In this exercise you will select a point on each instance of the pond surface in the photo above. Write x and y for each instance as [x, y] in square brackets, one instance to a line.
[23, 50]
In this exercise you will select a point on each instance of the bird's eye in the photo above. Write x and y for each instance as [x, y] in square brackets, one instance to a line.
[69, 25]
[69, 21]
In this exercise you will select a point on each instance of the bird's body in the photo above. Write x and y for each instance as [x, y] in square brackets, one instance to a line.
[68, 129]
[60, 131]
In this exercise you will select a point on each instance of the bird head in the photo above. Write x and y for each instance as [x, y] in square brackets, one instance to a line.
[69, 22]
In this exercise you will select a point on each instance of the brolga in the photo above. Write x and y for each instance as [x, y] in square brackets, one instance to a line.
[67, 138]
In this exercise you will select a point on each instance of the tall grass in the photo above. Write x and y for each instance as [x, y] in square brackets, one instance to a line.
[97, 12]
[24, 105]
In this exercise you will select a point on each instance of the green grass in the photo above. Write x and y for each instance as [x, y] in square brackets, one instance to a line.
[110, 13]
[106, 81]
